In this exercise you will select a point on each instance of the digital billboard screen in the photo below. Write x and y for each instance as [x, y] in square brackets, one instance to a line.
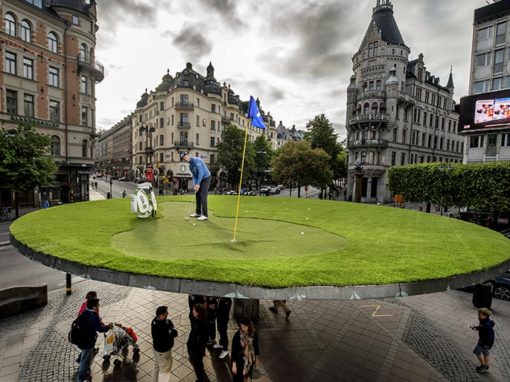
[485, 110]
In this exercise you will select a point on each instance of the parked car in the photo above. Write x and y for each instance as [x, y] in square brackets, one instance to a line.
[274, 190]
[265, 190]
[231, 192]
[123, 179]
[502, 286]
[114, 177]
[281, 187]
[249, 193]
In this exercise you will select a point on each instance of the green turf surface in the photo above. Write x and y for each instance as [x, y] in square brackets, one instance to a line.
[341, 244]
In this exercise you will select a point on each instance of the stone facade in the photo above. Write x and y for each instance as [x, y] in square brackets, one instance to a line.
[490, 79]
[114, 149]
[188, 112]
[48, 79]
[397, 112]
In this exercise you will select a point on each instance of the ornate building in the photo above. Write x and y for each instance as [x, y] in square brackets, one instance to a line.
[114, 149]
[48, 79]
[397, 112]
[187, 112]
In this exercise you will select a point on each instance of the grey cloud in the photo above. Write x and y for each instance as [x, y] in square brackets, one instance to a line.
[268, 93]
[227, 9]
[194, 44]
[137, 13]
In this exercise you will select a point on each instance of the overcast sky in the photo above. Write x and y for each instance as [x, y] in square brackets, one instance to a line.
[295, 55]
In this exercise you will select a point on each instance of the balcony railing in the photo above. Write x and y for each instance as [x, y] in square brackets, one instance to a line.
[183, 144]
[360, 118]
[371, 94]
[184, 106]
[184, 125]
[376, 143]
[225, 120]
[94, 67]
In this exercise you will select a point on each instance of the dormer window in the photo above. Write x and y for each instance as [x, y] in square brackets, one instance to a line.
[76, 20]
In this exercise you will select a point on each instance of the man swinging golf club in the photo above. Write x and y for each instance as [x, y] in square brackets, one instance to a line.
[201, 182]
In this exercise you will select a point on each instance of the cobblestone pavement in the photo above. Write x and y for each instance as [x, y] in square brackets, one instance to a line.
[421, 338]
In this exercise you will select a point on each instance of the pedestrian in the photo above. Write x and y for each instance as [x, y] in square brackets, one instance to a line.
[201, 182]
[197, 341]
[195, 299]
[245, 348]
[224, 306]
[91, 294]
[93, 325]
[95, 184]
[124, 194]
[212, 314]
[282, 304]
[163, 335]
[485, 339]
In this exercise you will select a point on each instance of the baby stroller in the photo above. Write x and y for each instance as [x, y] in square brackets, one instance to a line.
[116, 343]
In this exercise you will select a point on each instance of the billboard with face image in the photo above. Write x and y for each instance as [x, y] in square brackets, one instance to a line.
[483, 111]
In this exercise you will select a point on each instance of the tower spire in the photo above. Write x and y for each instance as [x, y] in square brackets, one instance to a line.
[450, 84]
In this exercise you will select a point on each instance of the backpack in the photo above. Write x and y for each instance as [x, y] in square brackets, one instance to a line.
[79, 330]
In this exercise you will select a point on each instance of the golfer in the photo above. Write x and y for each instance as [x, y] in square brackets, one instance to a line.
[201, 182]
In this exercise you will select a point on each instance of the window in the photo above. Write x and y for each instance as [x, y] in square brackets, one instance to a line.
[505, 140]
[10, 24]
[497, 83]
[481, 87]
[54, 110]
[84, 148]
[499, 57]
[393, 158]
[184, 118]
[424, 139]
[84, 85]
[448, 145]
[162, 106]
[53, 42]
[198, 121]
[161, 140]
[483, 59]
[402, 159]
[172, 119]
[395, 135]
[213, 141]
[26, 31]
[37, 3]
[404, 136]
[500, 33]
[140, 146]
[76, 20]
[29, 105]
[161, 123]
[197, 139]
[85, 115]
[213, 108]
[476, 141]
[12, 102]
[441, 142]
[484, 34]
[213, 125]
[184, 99]
[83, 52]
[28, 68]
[53, 76]
[10, 63]
[55, 145]
[442, 123]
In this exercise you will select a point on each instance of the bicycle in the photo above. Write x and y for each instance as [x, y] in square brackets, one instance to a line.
[6, 214]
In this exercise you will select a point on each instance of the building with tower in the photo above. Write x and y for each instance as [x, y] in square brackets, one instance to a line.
[398, 113]
[485, 113]
[48, 78]
[188, 112]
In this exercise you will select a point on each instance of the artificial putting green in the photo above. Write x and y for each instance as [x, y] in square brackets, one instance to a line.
[281, 242]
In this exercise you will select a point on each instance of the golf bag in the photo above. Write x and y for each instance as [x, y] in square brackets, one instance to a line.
[143, 201]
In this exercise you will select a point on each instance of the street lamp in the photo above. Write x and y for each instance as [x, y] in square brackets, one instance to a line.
[149, 151]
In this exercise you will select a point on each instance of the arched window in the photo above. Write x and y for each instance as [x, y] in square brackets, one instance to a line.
[366, 108]
[10, 24]
[363, 157]
[84, 148]
[83, 52]
[26, 31]
[371, 157]
[375, 106]
[53, 42]
[55, 145]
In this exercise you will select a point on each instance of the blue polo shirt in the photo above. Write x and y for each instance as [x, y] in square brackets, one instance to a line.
[198, 169]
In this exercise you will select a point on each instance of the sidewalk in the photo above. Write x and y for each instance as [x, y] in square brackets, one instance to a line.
[95, 195]
[422, 338]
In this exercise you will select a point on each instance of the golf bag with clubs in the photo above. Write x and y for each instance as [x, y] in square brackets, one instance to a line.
[143, 201]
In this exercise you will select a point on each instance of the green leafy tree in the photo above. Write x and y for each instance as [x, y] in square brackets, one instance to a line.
[297, 164]
[263, 154]
[230, 154]
[24, 160]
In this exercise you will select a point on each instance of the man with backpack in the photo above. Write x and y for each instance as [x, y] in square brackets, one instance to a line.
[84, 334]
[163, 334]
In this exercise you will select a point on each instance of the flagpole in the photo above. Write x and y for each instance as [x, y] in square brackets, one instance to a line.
[240, 182]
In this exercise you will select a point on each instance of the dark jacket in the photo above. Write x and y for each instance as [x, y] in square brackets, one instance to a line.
[163, 334]
[224, 306]
[198, 337]
[237, 350]
[195, 299]
[486, 333]
[93, 325]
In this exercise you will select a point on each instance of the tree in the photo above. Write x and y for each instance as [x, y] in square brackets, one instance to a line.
[297, 164]
[263, 155]
[230, 155]
[24, 160]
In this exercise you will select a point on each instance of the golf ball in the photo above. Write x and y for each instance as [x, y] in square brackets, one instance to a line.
[194, 224]
[186, 218]
[302, 233]
[307, 218]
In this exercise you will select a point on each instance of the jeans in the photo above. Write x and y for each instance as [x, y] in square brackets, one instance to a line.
[201, 196]
[86, 357]
[162, 366]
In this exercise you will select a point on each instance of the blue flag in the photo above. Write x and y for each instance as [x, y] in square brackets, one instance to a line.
[254, 114]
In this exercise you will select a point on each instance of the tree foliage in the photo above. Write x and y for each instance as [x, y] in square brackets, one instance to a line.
[263, 154]
[298, 164]
[24, 160]
[230, 155]
[484, 186]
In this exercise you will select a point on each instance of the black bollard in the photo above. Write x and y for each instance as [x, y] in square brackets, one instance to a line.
[69, 289]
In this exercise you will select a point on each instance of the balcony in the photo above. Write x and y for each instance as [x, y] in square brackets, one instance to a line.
[184, 144]
[371, 94]
[225, 120]
[364, 118]
[184, 106]
[368, 143]
[93, 67]
[184, 125]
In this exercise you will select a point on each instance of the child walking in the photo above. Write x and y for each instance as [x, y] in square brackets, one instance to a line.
[486, 339]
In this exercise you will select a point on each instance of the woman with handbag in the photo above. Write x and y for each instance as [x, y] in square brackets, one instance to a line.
[245, 348]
